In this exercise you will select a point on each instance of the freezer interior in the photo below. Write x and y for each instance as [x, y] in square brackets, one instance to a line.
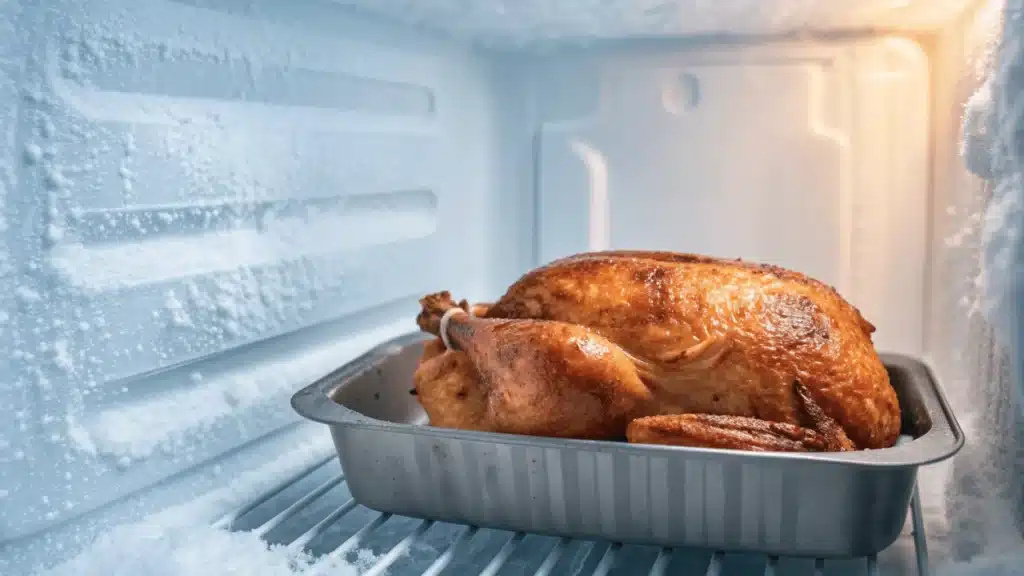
[208, 204]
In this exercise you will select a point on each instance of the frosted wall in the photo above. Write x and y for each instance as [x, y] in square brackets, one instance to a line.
[209, 205]
[530, 21]
[970, 344]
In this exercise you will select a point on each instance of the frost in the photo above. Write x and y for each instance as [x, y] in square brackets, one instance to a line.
[521, 22]
[178, 315]
[80, 436]
[985, 494]
[157, 550]
[27, 295]
[54, 234]
[54, 178]
[181, 541]
[316, 233]
[61, 356]
[1000, 235]
[46, 128]
[992, 150]
[1002, 565]
[976, 145]
[33, 153]
[165, 422]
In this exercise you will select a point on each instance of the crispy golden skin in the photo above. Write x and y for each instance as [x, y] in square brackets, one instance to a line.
[704, 335]
[448, 387]
[534, 377]
[743, 433]
[730, 432]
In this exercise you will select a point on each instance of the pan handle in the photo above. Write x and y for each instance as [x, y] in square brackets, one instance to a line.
[946, 437]
[942, 441]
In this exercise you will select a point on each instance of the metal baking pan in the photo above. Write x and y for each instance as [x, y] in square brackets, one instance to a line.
[821, 504]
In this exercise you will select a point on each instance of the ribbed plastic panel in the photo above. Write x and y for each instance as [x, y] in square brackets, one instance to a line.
[314, 511]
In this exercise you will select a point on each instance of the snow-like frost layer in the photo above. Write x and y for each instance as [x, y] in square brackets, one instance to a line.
[992, 150]
[120, 265]
[992, 123]
[1009, 565]
[191, 550]
[976, 147]
[527, 21]
[181, 541]
[136, 431]
[160, 550]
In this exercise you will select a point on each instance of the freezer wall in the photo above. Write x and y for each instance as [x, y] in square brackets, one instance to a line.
[530, 23]
[812, 155]
[207, 205]
[973, 495]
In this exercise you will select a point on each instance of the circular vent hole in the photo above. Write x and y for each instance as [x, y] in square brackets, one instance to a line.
[682, 93]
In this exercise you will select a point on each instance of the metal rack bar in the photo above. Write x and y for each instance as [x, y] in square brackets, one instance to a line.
[873, 566]
[553, 557]
[608, 560]
[301, 503]
[502, 556]
[920, 543]
[322, 525]
[325, 562]
[355, 539]
[228, 519]
[661, 562]
[388, 559]
[716, 565]
[446, 557]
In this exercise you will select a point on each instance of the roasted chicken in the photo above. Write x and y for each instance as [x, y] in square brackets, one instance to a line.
[663, 348]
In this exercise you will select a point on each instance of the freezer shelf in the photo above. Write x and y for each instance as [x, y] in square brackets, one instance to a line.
[314, 511]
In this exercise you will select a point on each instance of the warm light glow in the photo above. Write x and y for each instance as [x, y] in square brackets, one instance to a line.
[599, 230]
[898, 14]
[982, 34]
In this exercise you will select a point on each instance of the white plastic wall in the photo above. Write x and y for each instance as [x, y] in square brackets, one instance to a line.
[812, 156]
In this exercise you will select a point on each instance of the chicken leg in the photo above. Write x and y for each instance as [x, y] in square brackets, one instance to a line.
[539, 378]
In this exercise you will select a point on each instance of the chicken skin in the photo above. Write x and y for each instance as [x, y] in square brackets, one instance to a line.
[661, 348]
[538, 377]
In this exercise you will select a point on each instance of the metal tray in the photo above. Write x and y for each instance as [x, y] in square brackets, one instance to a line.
[822, 505]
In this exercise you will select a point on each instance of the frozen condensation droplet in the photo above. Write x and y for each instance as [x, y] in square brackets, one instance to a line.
[33, 153]
[46, 128]
[179, 316]
[27, 295]
[54, 234]
[61, 356]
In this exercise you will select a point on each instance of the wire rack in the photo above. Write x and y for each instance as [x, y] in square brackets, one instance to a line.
[315, 512]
